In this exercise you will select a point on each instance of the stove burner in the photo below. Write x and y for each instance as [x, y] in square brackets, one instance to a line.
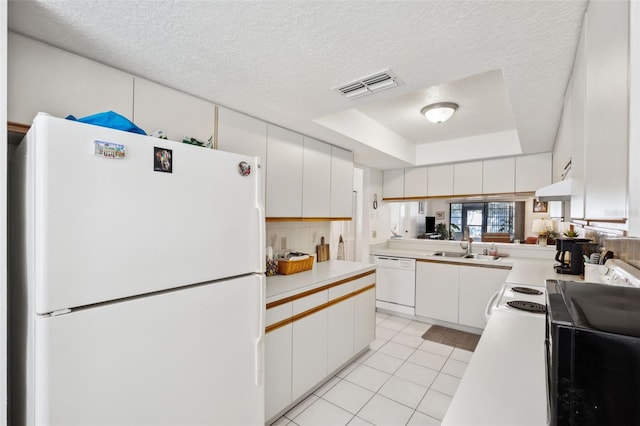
[528, 306]
[526, 290]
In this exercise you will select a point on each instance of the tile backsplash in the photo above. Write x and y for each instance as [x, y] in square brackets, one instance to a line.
[298, 236]
[624, 248]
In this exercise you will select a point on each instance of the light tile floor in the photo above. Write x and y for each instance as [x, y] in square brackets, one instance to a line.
[401, 380]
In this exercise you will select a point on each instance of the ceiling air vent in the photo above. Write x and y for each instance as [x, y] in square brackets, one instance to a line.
[369, 84]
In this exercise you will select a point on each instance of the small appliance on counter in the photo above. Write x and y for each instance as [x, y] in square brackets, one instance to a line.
[570, 252]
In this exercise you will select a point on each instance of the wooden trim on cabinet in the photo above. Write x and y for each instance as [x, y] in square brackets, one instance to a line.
[305, 219]
[456, 196]
[318, 290]
[14, 127]
[478, 265]
[315, 309]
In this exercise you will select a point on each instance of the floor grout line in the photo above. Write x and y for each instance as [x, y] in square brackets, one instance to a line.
[361, 362]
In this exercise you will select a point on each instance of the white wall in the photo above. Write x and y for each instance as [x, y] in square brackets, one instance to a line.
[634, 123]
[3, 214]
[564, 139]
[379, 219]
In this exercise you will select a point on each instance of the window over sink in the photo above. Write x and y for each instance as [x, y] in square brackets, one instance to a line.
[482, 218]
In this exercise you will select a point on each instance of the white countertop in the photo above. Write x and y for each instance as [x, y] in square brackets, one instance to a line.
[524, 270]
[281, 286]
[505, 383]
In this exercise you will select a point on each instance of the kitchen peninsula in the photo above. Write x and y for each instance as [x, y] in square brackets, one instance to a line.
[506, 375]
[317, 322]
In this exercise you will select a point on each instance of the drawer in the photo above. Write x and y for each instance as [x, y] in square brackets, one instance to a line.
[310, 302]
[279, 313]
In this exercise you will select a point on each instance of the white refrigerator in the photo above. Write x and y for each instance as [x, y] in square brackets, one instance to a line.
[136, 281]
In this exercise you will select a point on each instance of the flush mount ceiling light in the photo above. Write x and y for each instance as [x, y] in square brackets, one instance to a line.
[439, 112]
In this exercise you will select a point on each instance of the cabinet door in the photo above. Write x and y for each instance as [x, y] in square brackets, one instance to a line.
[393, 184]
[42, 78]
[415, 182]
[284, 174]
[179, 115]
[316, 179]
[477, 285]
[365, 320]
[498, 176]
[245, 135]
[310, 341]
[440, 180]
[340, 333]
[341, 183]
[277, 382]
[607, 110]
[242, 134]
[467, 178]
[437, 291]
[533, 172]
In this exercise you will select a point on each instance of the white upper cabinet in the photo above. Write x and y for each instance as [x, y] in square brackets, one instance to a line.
[415, 182]
[316, 179]
[498, 176]
[393, 184]
[341, 183]
[533, 172]
[242, 134]
[467, 178]
[606, 110]
[440, 181]
[178, 115]
[284, 174]
[42, 78]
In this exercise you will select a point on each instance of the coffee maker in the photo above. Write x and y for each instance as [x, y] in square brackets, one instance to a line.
[569, 252]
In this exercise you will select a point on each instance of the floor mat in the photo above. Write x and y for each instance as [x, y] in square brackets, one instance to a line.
[451, 337]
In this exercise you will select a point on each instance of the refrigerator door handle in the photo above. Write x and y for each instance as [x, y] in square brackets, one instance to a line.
[259, 349]
[261, 219]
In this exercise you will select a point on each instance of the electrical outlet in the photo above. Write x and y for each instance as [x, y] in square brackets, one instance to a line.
[374, 234]
[283, 243]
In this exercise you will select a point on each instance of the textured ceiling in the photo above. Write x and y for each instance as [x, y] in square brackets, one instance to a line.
[279, 60]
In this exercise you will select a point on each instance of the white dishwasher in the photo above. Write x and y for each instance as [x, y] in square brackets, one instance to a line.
[396, 280]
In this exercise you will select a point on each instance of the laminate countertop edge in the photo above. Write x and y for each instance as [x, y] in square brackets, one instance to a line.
[282, 286]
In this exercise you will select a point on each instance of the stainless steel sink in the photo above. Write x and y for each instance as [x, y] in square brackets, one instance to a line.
[449, 254]
[481, 256]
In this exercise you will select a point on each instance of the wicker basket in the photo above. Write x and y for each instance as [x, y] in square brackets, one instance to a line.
[288, 267]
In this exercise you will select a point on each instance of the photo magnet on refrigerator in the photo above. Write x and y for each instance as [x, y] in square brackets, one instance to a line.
[109, 149]
[162, 160]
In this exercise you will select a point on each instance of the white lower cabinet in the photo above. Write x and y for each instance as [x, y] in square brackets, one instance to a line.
[476, 286]
[323, 331]
[456, 293]
[437, 291]
[309, 359]
[277, 381]
[364, 320]
[340, 337]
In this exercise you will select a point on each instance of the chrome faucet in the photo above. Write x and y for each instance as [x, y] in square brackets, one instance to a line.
[468, 239]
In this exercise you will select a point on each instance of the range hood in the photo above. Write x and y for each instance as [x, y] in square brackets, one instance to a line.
[559, 191]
